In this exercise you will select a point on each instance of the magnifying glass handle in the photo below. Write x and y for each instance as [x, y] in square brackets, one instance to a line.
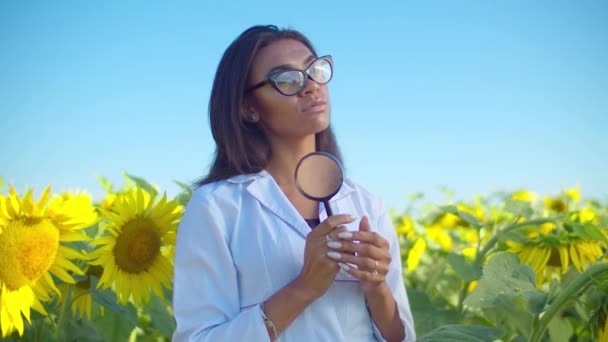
[327, 208]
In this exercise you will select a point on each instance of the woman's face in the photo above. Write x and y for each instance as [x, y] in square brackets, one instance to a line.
[287, 117]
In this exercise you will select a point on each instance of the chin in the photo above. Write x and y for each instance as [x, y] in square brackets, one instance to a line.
[321, 126]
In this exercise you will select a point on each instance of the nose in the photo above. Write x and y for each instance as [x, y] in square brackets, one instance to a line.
[310, 86]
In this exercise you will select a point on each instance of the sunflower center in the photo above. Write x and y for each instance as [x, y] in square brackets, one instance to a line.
[137, 246]
[28, 247]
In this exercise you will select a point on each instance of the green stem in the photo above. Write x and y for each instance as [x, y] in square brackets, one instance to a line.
[465, 289]
[462, 295]
[39, 328]
[579, 284]
[65, 306]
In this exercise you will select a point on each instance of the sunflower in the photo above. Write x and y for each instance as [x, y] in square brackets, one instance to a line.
[525, 196]
[573, 194]
[33, 250]
[406, 227]
[556, 204]
[135, 254]
[547, 255]
[585, 215]
[440, 237]
[413, 258]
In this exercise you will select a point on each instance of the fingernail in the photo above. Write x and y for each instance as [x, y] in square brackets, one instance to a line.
[334, 255]
[334, 244]
[344, 266]
[345, 235]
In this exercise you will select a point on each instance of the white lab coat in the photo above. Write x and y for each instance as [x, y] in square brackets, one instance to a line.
[241, 240]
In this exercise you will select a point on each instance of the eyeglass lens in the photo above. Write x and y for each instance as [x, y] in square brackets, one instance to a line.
[291, 82]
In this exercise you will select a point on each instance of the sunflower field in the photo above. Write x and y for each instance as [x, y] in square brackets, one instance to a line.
[508, 266]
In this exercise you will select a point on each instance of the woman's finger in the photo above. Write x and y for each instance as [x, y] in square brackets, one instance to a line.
[359, 249]
[361, 263]
[369, 237]
[362, 275]
[330, 224]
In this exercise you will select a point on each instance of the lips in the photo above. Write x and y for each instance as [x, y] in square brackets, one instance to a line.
[317, 106]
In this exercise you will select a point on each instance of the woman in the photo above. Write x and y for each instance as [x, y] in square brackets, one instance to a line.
[248, 266]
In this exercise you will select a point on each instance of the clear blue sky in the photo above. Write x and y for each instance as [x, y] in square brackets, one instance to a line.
[477, 96]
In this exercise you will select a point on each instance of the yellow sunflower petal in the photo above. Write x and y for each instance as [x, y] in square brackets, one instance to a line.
[563, 257]
[575, 259]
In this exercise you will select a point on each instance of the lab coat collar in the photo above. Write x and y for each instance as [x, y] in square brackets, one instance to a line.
[265, 189]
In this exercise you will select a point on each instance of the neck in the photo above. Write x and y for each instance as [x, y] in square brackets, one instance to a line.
[285, 158]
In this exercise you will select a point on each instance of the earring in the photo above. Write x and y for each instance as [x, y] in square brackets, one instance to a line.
[254, 117]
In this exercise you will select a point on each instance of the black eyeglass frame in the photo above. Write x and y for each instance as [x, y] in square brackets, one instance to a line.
[271, 78]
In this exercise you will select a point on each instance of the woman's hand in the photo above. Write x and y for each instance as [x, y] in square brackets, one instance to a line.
[319, 270]
[363, 254]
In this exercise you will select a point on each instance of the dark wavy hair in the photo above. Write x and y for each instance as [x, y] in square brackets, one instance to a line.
[242, 146]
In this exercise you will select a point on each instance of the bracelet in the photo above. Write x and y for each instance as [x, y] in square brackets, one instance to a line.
[269, 323]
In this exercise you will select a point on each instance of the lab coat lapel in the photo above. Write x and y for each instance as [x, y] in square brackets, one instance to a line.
[269, 194]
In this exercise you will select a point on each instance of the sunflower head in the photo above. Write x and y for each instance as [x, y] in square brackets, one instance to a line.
[573, 194]
[29, 246]
[32, 250]
[555, 253]
[556, 204]
[135, 252]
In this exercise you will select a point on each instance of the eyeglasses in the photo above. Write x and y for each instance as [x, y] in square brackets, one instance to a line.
[291, 81]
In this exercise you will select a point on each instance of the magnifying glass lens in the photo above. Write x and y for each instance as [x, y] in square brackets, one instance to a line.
[319, 177]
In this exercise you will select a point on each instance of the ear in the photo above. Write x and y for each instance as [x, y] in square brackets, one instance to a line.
[248, 113]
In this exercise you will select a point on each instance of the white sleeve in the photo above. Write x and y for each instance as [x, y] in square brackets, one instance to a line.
[394, 278]
[206, 300]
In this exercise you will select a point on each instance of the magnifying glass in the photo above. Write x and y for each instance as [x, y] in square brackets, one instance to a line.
[319, 177]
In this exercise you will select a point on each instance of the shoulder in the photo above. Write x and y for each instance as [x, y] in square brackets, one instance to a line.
[224, 190]
[214, 206]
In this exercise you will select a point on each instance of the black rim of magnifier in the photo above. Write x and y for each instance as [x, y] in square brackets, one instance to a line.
[319, 199]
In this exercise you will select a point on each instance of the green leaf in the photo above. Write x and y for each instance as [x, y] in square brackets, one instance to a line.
[429, 316]
[513, 235]
[446, 191]
[504, 278]
[588, 231]
[2, 185]
[113, 326]
[560, 330]
[468, 218]
[142, 183]
[183, 185]
[107, 186]
[415, 196]
[537, 301]
[183, 198]
[466, 270]
[511, 315]
[162, 320]
[80, 330]
[519, 208]
[462, 333]
[108, 299]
